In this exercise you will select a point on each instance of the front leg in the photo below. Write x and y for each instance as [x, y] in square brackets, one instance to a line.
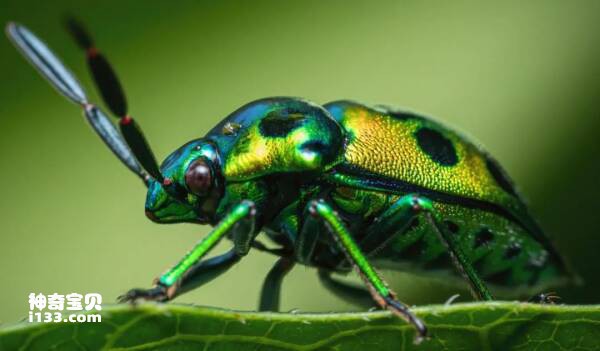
[377, 287]
[240, 222]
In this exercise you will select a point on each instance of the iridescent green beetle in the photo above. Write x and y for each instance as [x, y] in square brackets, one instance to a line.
[340, 186]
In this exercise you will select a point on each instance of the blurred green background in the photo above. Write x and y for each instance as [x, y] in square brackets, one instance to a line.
[522, 77]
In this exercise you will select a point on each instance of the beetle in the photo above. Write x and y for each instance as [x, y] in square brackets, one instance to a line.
[340, 187]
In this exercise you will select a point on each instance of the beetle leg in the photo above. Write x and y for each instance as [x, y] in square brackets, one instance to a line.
[461, 262]
[398, 218]
[304, 247]
[239, 222]
[271, 288]
[307, 238]
[377, 287]
[200, 274]
[207, 270]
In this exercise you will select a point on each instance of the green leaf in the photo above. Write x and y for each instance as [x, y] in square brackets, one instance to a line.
[473, 326]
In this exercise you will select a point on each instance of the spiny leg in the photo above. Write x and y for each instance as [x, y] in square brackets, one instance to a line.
[394, 221]
[460, 259]
[205, 271]
[377, 287]
[198, 275]
[307, 238]
[239, 222]
[398, 218]
[271, 289]
[346, 292]
[304, 247]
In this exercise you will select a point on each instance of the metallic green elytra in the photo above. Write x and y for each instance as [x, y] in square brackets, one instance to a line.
[338, 187]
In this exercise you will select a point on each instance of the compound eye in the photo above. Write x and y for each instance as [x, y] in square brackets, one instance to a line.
[198, 178]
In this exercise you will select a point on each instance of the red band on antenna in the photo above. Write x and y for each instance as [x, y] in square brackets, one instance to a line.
[92, 52]
[126, 120]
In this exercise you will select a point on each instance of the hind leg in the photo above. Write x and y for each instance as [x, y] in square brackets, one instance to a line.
[396, 220]
[461, 261]
[323, 213]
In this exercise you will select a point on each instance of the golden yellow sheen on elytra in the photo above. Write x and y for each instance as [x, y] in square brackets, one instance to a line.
[386, 146]
[258, 154]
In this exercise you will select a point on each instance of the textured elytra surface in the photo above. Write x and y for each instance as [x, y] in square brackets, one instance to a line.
[474, 326]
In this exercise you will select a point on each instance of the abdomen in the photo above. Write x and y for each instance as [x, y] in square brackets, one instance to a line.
[504, 255]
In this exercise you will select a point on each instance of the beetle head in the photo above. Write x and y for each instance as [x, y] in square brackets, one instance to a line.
[191, 188]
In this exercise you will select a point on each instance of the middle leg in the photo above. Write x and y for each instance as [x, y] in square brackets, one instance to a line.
[324, 213]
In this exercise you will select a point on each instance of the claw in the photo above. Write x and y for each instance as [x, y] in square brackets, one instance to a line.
[402, 311]
[158, 293]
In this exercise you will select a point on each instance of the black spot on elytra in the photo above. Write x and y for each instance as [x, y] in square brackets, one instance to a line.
[483, 237]
[499, 175]
[436, 146]
[280, 123]
[452, 227]
[499, 278]
[512, 250]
